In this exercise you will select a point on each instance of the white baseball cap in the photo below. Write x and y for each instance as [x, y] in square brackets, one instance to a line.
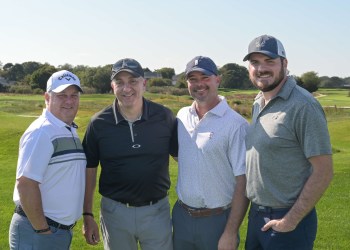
[62, 79]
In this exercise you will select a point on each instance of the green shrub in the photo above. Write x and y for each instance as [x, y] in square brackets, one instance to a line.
[20, 89]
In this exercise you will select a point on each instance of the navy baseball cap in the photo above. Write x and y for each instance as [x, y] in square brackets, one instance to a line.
[267, 45]
[202, 64]
[128, 65]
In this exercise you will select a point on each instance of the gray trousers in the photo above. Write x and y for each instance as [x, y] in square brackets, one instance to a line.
[125, 227]
[23, 237]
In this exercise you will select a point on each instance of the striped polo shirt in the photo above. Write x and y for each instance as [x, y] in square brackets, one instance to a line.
[50, 152]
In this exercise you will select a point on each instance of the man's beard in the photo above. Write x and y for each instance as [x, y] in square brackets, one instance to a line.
[275, 84]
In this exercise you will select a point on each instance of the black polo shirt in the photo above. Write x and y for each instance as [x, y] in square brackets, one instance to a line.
[134, 159]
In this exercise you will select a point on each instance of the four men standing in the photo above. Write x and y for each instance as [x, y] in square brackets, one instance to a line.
[285, 154]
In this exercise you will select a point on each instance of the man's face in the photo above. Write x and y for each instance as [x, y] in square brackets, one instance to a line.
[203, 88]
[128, 89]
[266, 73]
[64, 105]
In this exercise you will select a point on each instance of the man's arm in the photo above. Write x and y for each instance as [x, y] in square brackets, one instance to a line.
[90, 227]
[30, 197]
[315, 186]
[239, 208]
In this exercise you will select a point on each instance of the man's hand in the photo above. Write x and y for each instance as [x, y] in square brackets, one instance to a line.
[90, 231]
[228, 242]
[280, 225]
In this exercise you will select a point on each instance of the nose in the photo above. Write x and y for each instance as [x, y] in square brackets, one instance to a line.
[70, 99]
[126, 87]
[261, 67]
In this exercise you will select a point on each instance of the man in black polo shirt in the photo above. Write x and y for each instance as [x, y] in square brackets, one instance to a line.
[131, 140]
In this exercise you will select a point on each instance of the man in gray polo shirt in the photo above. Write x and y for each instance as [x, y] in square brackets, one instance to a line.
[289, 156]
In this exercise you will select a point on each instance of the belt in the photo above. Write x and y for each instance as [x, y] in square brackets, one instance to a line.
[265, 209]
[203, 212]
[50, 222]
[141, 203]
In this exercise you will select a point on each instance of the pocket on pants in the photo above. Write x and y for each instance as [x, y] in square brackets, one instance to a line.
[58, 239]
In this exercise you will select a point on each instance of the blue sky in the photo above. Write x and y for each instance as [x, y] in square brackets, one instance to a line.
[161, 33]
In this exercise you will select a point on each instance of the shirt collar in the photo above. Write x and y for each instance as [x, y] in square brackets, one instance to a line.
[284, 92]
[53, 119]
[218, 110]
[118, 116]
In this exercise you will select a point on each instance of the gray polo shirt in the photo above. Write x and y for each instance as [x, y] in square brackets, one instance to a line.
[282, 136]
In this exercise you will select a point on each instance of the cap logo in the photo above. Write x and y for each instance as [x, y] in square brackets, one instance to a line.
[68, 77]
[196, 62]
[125, 64]
[259, 44]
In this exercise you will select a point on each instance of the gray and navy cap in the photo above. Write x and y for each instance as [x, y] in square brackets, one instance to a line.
[267, 45]
[202, 64]
[128, 65]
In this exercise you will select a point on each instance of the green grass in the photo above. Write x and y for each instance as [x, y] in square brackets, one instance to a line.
[334, 97]
[17, 111]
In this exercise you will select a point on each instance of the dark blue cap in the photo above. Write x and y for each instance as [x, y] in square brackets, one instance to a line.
[267, 45]
[202, 64]
[128, 65]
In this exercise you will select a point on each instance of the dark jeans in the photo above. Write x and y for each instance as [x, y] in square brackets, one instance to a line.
[301, 238]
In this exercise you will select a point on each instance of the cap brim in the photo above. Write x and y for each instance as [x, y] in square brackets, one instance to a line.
[64, 86]
[204, 71]
[264, 52]
[124, 70]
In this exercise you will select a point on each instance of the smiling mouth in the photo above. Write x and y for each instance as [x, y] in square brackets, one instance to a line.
[201, 90]
[264, 76]
[129, 95]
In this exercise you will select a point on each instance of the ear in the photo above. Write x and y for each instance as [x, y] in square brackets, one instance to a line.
[47, 98]
[144, 83]
[112, 85]
[218, 80]
[285, 63]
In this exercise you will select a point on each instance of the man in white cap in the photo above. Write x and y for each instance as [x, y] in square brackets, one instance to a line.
[50, 179]
[289, 155]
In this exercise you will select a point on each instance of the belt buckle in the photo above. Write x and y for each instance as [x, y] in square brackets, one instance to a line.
[261, 208]
[264, 209]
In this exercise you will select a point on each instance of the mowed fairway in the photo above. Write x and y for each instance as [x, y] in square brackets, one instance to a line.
[18, 111]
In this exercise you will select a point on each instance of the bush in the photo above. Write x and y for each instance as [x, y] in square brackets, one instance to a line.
[158, 82]
[20, 89]
[4, 88]
[37, 91]
[181, 85]
[168, 90]
[89, 90]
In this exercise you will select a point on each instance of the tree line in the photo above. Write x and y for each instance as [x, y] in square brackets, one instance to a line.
[31, 77]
